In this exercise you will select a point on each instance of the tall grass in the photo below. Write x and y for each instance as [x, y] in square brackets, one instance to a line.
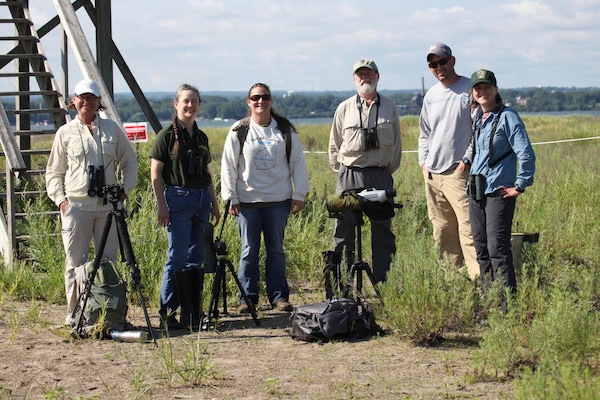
[551, 329]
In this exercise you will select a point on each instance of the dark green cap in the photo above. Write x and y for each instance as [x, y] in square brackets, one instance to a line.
[484, 76]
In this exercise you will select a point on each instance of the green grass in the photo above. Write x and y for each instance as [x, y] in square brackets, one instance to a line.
[549, 334]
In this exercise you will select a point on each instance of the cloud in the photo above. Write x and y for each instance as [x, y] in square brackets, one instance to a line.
[311, 45]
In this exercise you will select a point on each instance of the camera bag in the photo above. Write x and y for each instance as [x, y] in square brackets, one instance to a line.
[107, 301]
[334, 319]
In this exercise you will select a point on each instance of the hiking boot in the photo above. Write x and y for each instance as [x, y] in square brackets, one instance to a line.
[243, 309]
[283, 305]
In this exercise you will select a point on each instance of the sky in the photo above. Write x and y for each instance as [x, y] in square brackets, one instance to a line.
[311, 45]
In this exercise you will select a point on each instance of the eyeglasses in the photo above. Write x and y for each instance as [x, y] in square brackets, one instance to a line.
[443, 61]
[257, 97]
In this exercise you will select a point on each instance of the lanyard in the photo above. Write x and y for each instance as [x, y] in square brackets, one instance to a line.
[359, 105]
[492, 134]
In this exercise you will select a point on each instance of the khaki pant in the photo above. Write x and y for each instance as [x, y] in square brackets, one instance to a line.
[78, 229]
[448, 209]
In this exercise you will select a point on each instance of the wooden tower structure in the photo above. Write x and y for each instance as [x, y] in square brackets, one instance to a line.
[41, 99]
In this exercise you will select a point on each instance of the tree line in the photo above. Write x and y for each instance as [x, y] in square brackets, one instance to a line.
[323, 104]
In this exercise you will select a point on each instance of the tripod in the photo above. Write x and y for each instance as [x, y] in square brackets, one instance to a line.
[114, 193]
[360, 266]
[220, 283]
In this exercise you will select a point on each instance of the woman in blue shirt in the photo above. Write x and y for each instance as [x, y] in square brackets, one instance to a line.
[503, 166]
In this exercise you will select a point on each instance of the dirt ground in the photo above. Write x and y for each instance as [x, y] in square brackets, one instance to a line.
[39, 361]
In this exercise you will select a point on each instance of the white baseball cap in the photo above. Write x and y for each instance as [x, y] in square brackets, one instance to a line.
[87, 86]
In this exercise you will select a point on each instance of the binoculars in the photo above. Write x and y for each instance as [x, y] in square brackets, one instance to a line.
[196, 162]
[476, 187]
[369, 139]
[95, 181]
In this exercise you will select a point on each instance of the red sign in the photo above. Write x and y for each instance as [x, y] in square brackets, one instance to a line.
[136, 131]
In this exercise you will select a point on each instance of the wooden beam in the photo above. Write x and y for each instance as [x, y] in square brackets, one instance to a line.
[138, 94]
[103, 43]
[84, 55]
[14, 159]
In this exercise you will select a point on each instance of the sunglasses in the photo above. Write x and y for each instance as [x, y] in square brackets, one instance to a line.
[443, 61]
[257, 97]
[86, 97]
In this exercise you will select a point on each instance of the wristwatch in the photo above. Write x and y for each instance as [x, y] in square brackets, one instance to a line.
[466, 161]
[519, 189]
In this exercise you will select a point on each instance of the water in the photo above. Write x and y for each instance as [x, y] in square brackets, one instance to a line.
[221, 123]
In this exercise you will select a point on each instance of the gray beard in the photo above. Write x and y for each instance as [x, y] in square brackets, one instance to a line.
[367, 88]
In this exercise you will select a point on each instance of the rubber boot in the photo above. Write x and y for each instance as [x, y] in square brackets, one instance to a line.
[185, 286]
[331, 261]
[168, 321]
[196, 298]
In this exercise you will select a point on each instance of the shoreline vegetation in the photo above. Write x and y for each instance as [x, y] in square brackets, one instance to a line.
[547, 345]
[231, 106]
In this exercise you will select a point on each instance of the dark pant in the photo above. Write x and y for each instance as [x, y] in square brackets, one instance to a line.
[491, 222]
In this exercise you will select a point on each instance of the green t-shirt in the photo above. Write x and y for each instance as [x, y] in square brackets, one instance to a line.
[176, 171]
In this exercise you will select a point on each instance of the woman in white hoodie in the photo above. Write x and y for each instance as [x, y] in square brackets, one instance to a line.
[264, 178]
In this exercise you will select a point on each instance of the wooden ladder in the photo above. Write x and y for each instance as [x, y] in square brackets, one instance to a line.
[33, 111]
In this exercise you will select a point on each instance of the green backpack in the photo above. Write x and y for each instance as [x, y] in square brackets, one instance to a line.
[108, 298]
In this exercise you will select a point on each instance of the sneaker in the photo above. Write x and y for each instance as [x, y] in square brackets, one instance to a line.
[283, 305]
[243, 309]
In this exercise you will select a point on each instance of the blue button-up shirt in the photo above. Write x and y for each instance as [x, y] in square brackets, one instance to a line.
[515, 169]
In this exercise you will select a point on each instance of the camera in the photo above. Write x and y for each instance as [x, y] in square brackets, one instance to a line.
[369, 139]
[375, 203]
[476, 187]
[95, 181]
[196, 162]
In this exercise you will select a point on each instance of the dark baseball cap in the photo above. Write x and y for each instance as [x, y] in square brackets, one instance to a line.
[440, 50]
[483, 75]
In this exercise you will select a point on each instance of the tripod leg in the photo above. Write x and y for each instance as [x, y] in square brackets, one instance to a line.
[359, 278]
[224, 291]
[332, 260]
[372, 279]
[88, 286]
[244, 295]
[130, 259]
[350, 281]
[213, 305]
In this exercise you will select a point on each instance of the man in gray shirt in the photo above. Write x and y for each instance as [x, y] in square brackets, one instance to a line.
[445, 155]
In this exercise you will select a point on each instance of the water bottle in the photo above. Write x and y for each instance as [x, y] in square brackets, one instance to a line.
[129, 336]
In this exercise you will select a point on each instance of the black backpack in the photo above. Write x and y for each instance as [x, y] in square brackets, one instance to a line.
[339, 319]
[244, 125]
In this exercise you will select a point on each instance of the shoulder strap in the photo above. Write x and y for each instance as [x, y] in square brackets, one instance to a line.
[242, 133]
[492, 134]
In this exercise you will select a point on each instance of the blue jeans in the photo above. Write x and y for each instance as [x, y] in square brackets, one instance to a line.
[186, 246]
[271, 221]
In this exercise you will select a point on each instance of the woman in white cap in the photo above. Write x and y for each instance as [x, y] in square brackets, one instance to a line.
[83, 160]
[503, 166]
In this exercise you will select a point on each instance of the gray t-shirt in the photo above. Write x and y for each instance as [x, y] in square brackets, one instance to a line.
[446, 126]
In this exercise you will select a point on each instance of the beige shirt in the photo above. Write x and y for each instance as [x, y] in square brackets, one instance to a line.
[75, 148]
[345, 145]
